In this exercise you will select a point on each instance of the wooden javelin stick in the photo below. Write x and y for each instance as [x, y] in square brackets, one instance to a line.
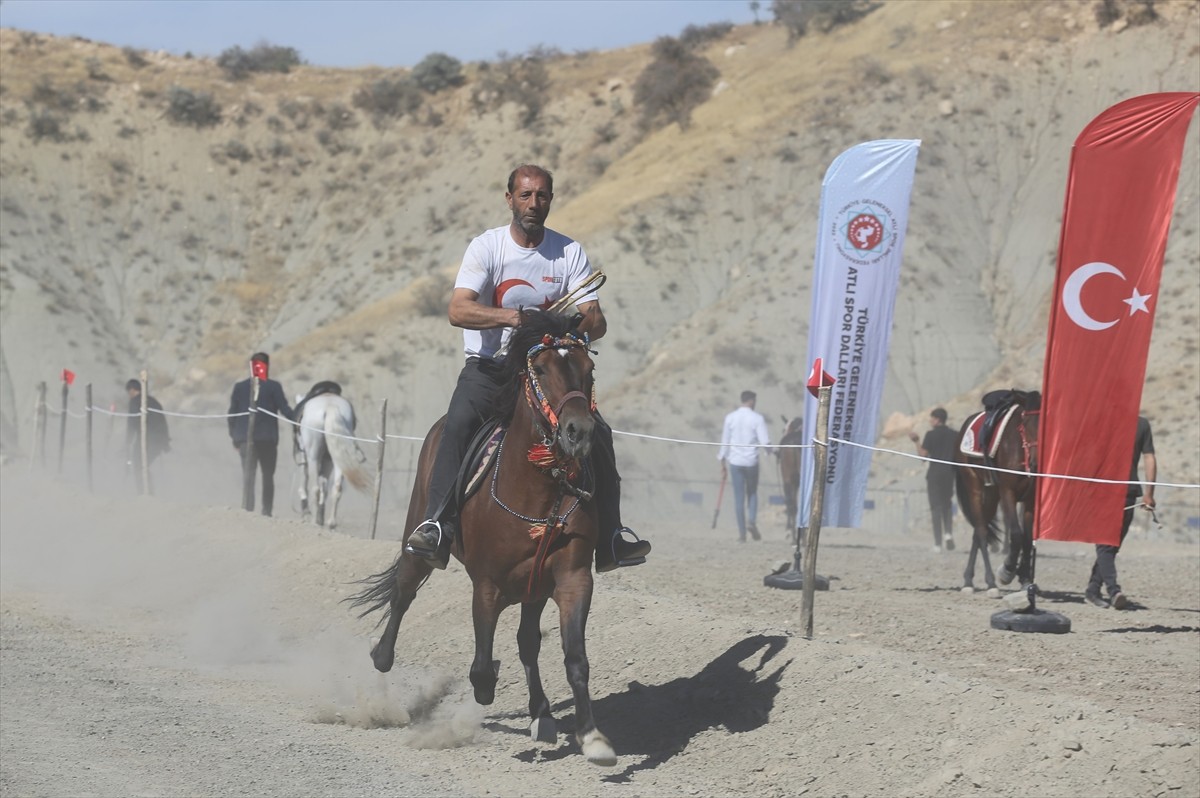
[592, 283]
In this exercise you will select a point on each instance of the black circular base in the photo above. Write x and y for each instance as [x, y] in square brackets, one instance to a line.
[794, 580]
[1033, 621]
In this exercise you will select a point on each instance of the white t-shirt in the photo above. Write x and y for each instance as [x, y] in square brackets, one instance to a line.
[510, 276]
[743, 428]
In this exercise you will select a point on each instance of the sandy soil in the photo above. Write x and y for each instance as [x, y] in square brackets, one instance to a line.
[157, 647]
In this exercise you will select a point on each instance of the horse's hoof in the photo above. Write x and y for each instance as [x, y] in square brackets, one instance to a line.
[967, 590]
[544, 730]
[993, 593]
[597, 749]
[1005, 576]
[383, 658]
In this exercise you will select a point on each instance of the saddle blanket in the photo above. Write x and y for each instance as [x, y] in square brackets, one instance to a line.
[970, 442]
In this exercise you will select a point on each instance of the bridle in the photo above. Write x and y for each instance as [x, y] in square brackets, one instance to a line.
[1029, 447]
[536, 397]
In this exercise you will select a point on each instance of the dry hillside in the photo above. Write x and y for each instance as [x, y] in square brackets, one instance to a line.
[301, 226]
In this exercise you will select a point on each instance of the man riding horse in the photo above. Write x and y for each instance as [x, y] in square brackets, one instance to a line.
[522, 264]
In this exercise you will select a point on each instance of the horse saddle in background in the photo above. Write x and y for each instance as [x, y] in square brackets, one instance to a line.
[324, 386]
[973, 442]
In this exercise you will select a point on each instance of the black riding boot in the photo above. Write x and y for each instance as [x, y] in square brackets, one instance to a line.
[617, 545]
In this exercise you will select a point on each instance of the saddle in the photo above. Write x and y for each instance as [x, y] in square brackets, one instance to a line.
[324, 386]
[986, 429]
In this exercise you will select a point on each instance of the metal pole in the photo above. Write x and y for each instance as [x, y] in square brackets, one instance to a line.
[379, 466]
[249, 460]
[145, 475]
[821, 451]
[62, 425]
[39, 427]
[88, 395]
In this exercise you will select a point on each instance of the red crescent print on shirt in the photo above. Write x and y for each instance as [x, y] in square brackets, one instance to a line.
[524, 295]
[1120, 198]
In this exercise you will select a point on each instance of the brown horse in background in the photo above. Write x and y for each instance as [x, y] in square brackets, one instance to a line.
[529, 533]
[981, 489]
[789, 469]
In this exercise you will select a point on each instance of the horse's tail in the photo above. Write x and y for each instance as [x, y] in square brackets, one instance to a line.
[968, 508]
[342, 449]
[378, 592]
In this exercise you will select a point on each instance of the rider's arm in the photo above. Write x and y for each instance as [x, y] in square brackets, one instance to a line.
[593, 322]
[468, 312]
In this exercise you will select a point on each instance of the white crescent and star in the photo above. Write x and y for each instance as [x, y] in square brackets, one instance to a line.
[1074, 286]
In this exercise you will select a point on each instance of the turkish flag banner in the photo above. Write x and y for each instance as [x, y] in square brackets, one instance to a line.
[1120, 196]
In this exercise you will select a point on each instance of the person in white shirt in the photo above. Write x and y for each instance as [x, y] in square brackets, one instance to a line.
[522, 264]
[744, 428]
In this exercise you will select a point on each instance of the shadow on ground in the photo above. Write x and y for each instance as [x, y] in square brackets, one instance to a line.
[656, 722]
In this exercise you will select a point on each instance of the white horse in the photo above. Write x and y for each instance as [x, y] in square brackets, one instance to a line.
[326, 424]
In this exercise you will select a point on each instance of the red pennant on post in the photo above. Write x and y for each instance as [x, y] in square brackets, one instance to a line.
[68, 376]
[817, 378]
[1120, 197]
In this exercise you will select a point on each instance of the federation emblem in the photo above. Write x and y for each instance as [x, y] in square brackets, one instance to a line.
[864, 231]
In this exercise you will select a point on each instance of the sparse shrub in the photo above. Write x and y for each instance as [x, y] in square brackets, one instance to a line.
[438, 71]
[134, 57]
[874, 72]
[518, 79]
[823, 15]
[673, 84]
[195, 108]
[237, 63]
[95, 69]
[45, 125]
[237, 151]
[389, 97]
[339, 117]
[699, 35]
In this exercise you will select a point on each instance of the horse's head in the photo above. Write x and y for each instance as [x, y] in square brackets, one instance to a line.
[557, 380]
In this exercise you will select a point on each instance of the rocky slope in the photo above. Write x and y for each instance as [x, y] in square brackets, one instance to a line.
[299, 226]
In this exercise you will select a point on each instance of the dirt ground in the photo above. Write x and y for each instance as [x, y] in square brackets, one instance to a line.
[157, 647]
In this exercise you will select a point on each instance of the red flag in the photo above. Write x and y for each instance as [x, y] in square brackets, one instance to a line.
[817, 378]
[68, 376]
[1120, 194]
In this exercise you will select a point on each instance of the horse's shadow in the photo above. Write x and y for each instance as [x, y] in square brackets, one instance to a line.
[656, 722]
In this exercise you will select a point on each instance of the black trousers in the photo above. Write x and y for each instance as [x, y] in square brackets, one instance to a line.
[1104, 570]
[941, 491]
[471, 404]
[263, 455]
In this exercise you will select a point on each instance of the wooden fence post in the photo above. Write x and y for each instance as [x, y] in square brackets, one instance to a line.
[62, 425]
[249, 456]
[88, 398]
[379, 466]
[821, 451]
[145, 475]
[39, 428]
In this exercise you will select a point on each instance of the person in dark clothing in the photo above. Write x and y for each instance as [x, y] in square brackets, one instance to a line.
[264, 447]
[521, 264]
[939, 479]
[158, 438]
[1104, 569]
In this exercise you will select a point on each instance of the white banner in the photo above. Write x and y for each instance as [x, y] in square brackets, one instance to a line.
[860, 240]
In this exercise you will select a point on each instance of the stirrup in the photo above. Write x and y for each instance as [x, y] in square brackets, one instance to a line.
[640, 548]
[439, 555]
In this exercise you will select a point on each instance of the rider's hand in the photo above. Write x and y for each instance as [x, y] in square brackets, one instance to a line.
[1148, 503]
[914, 437]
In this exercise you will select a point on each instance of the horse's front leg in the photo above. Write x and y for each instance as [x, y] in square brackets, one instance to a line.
[574, 598]
[485, 610]
[529, 642]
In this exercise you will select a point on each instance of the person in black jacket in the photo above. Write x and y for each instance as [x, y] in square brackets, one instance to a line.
[264, 447]
[158, 438]
[939, 444]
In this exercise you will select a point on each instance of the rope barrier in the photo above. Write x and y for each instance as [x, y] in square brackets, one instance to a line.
[1011, 471]
[840, 441]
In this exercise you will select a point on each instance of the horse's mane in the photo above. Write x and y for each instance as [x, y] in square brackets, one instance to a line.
[534, 325]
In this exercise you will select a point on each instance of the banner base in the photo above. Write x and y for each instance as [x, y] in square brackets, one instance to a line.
[794, 580]
[1033, 620]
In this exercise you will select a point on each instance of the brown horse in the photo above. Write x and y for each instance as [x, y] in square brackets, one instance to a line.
[789, 469]
[982, 487]
[529, 532]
